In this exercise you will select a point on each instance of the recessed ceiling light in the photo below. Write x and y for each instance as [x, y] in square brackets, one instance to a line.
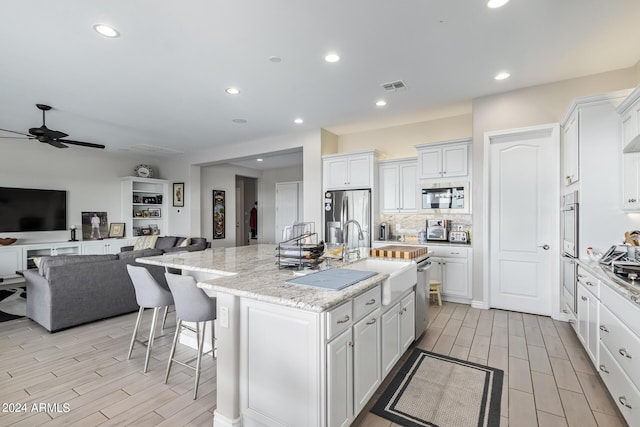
[332, 57]
[259, 160]
[241, 121]
[298, 121]
[381, 103]
[232, 91]
[493, 4]
[275, 59]
[502, 75]
[106, 30]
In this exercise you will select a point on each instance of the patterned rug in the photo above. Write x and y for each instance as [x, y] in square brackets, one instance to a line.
[13, 303]
[440, 391]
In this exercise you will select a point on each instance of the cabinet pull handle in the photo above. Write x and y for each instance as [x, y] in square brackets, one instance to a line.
[604, 328]
[565, 311]
[370, 302]
[404, 309]
[590, 284]
[603, 368]
[635, 299]
[571, 321]
[623, 352]
[579, 276]
[623, 402]
[345, 319]
[583, 298]
[371, 322]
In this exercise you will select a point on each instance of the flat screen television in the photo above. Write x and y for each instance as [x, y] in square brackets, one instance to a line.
[28, 209]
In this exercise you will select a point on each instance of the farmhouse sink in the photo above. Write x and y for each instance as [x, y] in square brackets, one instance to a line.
[402, 275]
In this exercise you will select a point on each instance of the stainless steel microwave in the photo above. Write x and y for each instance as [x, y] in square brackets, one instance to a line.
[445, 197]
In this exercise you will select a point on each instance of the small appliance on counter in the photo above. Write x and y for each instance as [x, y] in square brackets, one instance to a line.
[438, 229]
[458, 237]
[384, 232]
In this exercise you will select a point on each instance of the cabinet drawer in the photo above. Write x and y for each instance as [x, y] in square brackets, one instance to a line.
[623, 344]
[448, 251]
[339, 319]
[623, 392]
[365, 303]
[589, 281]
[625, 310]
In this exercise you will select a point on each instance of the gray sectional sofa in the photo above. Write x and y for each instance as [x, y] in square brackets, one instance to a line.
[169, 244]
[67, 291]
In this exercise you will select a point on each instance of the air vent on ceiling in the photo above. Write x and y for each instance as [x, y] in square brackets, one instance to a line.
[394, 86]
[151, 149]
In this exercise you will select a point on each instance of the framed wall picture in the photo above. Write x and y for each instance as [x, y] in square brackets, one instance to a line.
[218, 214]
[116, 229]
[178, 194]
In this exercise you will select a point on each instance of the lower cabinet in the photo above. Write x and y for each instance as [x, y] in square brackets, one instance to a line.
[451, 266]
[100, 247]
[366, 359]
[339, 383]
[398, 331]
[587, 322]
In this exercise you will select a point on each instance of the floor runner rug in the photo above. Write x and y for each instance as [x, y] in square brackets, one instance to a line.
[440, 391]
[13, 303]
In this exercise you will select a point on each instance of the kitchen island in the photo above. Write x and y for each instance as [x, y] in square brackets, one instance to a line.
[291, 355]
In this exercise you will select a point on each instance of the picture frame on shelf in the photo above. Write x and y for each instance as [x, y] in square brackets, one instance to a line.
[154, 229]
[145, 214]
[137, 214]
[116, 230]
[150, 200]
[136, 198]
[145, 231]
[159, 198]
[154, 212]
[94, 225]
[178, 194]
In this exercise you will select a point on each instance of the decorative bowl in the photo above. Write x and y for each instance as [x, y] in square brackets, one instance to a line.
[5, 241]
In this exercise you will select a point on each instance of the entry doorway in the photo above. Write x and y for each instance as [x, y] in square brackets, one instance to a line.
[521, 181]
[247, 212]
[288, 206]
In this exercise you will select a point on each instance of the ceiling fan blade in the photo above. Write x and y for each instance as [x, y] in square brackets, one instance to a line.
[82, 144]
[13, 131]
[56, 143]
[48, 133]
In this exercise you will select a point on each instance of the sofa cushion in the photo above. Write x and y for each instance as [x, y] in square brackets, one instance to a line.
[55, 261]
[184, 243]
[166, 242]
[145, 242]
[132, 255]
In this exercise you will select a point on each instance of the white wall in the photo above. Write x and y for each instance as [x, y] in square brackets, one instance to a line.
[91, 178]
[267, 205]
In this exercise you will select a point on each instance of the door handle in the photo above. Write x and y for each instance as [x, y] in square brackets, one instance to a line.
[545, 247]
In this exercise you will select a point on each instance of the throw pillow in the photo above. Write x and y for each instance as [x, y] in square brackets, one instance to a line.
[186, 242]
[145, 242]
[36, 261]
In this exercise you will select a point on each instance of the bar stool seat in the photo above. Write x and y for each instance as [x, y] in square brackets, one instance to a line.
[149, 294]
[434, 290]
[192, 305]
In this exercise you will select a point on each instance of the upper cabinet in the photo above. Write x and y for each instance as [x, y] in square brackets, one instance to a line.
[398, 185]
[570, 148]
[448, 159]
[629, 111]
[348, 171]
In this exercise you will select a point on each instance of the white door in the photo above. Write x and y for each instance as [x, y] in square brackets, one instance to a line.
[288, 205]
[524, 219]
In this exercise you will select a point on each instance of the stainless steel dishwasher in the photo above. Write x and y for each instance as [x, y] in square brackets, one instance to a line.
[422, 297]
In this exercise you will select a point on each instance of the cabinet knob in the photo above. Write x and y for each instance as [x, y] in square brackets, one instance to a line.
[571, 321]
[623, 402]
[590, 284]
[604, 328]
[604, 369]
[565, 311]
[583, 298]
[623, 352]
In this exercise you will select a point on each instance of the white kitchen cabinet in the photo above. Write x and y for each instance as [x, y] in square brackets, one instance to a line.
[629, 111]
[398, 330]
[444, 160]
[339, 380]
[49, 249]
[631, 181]
[570, 149]
[588, 322]
[106, 246]
[451, 266]
[348, 171]
[11, 260]
[398, 186]
[145, 204]
[367, 374]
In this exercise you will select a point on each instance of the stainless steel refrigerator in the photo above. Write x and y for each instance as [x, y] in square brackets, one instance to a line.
[341, 206]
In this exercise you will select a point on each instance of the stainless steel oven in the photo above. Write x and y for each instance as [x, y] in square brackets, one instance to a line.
[570, 249]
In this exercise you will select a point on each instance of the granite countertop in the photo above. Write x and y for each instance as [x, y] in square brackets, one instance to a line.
[609, 279]
[251, 272]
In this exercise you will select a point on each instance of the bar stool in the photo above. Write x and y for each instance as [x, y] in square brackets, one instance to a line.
[149, 294]
[192, 305]
[434, 290]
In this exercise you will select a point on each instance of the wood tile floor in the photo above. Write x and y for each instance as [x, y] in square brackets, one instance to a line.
[549, 380]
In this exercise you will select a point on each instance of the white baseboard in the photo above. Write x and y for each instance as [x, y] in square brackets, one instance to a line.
[220, 420]
[483, 305]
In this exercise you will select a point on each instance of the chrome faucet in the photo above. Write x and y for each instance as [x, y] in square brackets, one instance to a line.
[345, 235]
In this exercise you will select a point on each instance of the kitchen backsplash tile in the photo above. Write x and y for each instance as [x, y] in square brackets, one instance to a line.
[410, 225]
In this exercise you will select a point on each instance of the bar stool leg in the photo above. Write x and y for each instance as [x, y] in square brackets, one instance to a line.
[439, 298]
[173, 350]
[151, 335]
[135, 332]
[164, 319]
[200, 347]
[213, 339]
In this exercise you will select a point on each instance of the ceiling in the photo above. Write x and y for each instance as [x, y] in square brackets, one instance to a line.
[161, 84]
